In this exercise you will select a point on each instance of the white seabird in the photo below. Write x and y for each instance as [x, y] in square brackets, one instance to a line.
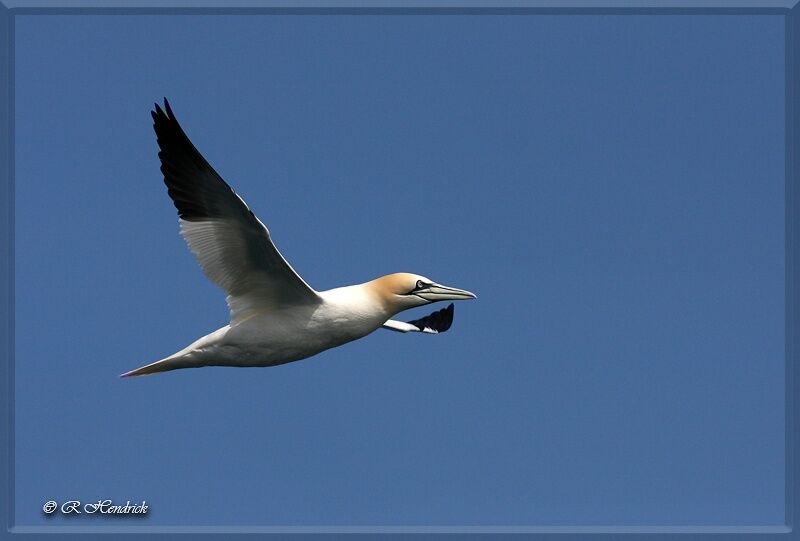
[275, 316]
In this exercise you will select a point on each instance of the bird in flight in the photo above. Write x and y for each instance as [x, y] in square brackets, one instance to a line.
[275, 316]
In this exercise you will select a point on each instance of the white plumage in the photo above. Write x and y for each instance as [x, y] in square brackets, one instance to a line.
[275, 316]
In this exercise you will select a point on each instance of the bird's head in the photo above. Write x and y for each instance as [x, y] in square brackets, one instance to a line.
[403, 290]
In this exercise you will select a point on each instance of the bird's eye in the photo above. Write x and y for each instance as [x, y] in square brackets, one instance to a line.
[418, 286]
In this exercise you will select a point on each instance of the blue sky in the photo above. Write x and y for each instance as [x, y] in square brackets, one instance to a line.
[612, 188]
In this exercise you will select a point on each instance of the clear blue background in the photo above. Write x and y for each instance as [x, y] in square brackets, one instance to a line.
[612, 187]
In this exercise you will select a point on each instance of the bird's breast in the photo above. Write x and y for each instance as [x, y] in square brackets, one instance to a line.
[291, 334]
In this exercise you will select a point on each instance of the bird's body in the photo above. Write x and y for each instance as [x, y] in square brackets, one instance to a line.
[276, 317]
[290, 334]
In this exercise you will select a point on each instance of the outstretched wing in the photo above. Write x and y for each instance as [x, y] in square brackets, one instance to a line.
[434, 323]
[232, 246]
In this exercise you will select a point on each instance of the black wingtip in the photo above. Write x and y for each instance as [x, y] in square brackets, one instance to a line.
[447, 321]
[439, 321]
[165, 113]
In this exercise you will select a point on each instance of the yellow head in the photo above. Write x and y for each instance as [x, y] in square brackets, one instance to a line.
[402, 290]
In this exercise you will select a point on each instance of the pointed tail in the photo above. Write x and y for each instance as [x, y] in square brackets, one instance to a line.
[164, 365]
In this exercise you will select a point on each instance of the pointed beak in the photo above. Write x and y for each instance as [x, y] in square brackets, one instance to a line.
[438, 292]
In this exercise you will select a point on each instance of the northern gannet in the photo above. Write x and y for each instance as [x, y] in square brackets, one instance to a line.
[275, 316]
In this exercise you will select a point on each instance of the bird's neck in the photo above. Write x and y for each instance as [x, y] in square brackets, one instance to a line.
[359, 301]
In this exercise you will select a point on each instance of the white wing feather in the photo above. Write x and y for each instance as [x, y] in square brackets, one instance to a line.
[232, 246]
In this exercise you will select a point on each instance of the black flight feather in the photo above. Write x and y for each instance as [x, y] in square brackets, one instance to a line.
[194, 186]
[438, 321]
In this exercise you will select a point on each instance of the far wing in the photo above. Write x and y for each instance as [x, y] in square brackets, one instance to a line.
[435, 323]
[232, 246]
